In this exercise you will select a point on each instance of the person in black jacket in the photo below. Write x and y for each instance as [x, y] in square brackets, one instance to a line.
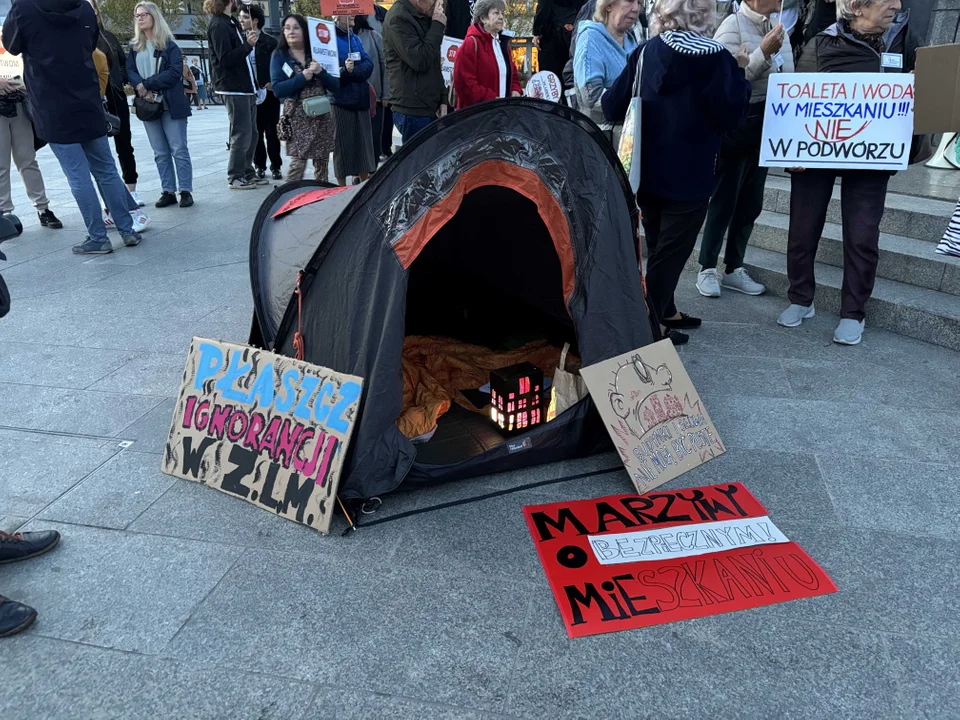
[871, 36]
[57, 39]
[232, 65]
[268, 111]
[692, 90]
[553, 26]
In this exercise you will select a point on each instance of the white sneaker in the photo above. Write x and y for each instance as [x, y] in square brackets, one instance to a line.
[140, 220]
[108, 221]
[849, 332]
[795, 314]
[136, 198]
[741, 281]
[707, 283]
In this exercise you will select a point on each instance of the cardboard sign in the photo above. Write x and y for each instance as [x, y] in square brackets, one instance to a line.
[448, 53]
[544, 85]
[629, 561]
[937, 78]
[858, 121]
[323, 44]
[335, 8]
[267, 428]
[11, 66]
[653, 414]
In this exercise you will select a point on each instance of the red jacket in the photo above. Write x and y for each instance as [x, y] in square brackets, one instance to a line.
[476, 76]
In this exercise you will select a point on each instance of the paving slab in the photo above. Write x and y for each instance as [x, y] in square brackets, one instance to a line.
[116, 590]
[114, 494]
[902, 496]
[449, 638]
[734, 665]
[928, 674]
[150, 431]
[345, 704]
[54, 365]
[92, 682]
[37, 469]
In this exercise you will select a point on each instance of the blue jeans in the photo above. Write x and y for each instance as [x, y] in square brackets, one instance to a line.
[79, 161]
[410, 125]
[168, 138]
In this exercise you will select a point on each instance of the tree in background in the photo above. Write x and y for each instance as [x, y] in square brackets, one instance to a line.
[118, 15]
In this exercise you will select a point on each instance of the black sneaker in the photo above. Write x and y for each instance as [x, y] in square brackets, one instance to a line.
[277, 175]
[186, 199]
[166, 200]
[49, 220]
[22, 546]
[261, 174]
[14, 616]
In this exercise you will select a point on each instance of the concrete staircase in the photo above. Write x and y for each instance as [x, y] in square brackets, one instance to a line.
[917, 292]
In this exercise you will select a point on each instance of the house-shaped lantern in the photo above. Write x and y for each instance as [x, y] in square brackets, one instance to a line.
[516, 397]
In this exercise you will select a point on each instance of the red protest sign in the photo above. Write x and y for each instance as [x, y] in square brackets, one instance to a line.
[336, 8]
[629, 561]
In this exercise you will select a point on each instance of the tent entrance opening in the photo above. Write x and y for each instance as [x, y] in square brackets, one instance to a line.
[486, 291]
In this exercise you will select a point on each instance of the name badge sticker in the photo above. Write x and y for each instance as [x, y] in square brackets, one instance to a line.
[288, 70]
[778, 60]
[891, 60]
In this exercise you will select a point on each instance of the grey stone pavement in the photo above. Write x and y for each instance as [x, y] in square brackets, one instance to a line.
[171, 600]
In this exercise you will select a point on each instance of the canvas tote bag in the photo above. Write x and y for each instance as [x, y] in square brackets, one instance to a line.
[568, 388]
[628, 148]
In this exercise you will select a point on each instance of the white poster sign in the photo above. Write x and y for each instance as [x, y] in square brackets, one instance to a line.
[545, 85]
[448, 53]
[859, 121]
[11, 66]
[323, 44]
[685, 540]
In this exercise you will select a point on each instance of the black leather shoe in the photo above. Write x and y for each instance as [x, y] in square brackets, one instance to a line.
[261, 174]
[14, 616]
[676, 337]
[684, 322]
[186, 199]
[166, 200]
[20, 546]
[277, 175]
[49, 220]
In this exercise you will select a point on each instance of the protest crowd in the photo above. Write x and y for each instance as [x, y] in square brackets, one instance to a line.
[700, 80]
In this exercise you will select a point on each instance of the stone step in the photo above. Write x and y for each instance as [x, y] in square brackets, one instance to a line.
[919, 313]
[907, 216]
[904, 259]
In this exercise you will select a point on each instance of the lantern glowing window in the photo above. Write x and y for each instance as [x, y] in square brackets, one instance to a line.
[515, 397]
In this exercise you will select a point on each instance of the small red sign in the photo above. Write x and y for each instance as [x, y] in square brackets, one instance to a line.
[452, 53]
[631, 561]
[336, 8]
[323, 33]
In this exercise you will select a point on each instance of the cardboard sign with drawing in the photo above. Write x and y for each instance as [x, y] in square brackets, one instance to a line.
[653, 414]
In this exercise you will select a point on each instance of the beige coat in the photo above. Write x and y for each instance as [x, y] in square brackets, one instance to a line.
[748, 27]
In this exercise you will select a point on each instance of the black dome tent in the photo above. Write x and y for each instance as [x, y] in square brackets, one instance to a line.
[509, 220]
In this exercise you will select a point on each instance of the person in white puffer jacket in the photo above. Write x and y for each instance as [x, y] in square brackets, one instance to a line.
[738, 197]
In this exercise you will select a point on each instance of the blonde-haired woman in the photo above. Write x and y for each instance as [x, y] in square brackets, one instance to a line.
[155, 69]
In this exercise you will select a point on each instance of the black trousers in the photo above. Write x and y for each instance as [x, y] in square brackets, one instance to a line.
[862, 197]
[376, 125]
[118, 105]
[670, 228]
[268, 115]
[386, 136]
[735, 206]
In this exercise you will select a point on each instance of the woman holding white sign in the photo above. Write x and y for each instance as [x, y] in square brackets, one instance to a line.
[353, 152]
[871, 36]
[297, 78]
[738, 195]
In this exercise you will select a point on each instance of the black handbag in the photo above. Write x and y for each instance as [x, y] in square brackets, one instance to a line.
[147, 110]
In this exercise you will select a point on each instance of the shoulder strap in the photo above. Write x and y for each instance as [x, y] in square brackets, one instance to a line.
[636, 81]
